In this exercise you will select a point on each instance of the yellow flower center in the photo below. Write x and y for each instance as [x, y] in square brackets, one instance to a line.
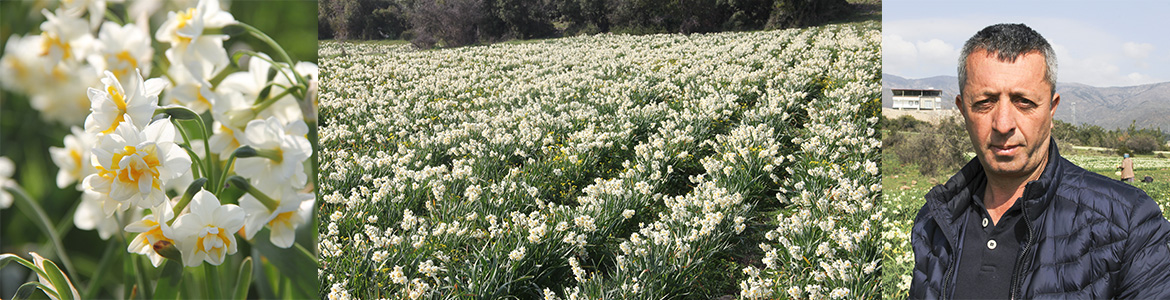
[50, 41]
[120, 102]
[282, 218]
[185, 17]
[136, 170]
[155, 234]
[212, 247]
[76, 157]
[128, 63]
[199, 96]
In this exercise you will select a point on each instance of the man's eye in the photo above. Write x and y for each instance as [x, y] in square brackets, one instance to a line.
[1025, 103]
[981, 105]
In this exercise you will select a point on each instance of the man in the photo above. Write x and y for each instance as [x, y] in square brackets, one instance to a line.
[1126, 168]
[1020, 221]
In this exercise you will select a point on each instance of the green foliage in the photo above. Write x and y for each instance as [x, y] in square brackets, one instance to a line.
[934, 149]
[452, 23]
[1134, 140]
[800, 13]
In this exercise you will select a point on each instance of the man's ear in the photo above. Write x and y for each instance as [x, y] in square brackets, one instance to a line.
[1055, 102]
[959, 105]
[1052, 111]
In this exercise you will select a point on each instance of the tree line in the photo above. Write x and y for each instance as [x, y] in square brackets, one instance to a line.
[940, 147]
[453, 23]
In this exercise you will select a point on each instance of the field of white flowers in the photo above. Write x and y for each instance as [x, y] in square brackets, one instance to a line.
[604, 167]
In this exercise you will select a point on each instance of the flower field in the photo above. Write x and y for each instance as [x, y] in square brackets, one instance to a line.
[604, 167]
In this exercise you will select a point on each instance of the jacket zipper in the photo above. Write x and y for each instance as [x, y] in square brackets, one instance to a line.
[947, 278]
[1017, 278]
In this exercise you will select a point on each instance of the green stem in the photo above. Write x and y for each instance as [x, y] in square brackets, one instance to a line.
[194, 157]
[268, 102]
[275, 46]
[279, 67]
[143, 286]
[112, 17]
[207, 151]
[42, 221]
[104, 265]
[243, 184]
[212, 283]
[226, 167]
[189, 194]
[196, 163]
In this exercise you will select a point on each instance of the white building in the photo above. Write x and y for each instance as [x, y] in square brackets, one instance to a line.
[917, 99]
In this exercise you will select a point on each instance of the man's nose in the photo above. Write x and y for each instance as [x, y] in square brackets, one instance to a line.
[1003, 119]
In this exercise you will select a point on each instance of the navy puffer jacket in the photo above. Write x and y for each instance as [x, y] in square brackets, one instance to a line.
[1090, 237]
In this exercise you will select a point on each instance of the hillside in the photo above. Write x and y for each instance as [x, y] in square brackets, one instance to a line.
[1109, 107]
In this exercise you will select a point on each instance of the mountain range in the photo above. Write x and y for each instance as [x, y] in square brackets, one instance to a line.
[1147, 106]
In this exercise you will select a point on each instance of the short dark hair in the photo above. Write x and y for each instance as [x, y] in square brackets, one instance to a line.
[1007, 42]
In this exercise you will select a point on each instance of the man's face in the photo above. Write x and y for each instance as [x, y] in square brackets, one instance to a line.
[1008, 110]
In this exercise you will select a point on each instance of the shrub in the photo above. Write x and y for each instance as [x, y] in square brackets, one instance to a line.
[935, 150]
[801, 13]
[447, 23]
[1142, 144]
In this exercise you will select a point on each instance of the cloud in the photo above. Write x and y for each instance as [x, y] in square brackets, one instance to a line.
[917, 58]
[898, 55]
[935, 51]
[1137, 50]
[1088, 51]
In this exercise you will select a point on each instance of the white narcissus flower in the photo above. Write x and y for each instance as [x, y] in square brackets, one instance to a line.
[22, 68]
[6, 170]
[63, 96]
[122, 49]
[193, 92]
[191, 46]
[96, 8]
[250, 83]
[73, 159]
[40, 262]
[292, 210]
[57, 90]
[286, 149]
[64, 38]
[89, 216]
[151, 229]
[133, 101]
[207, 233]
[223, 140]
[133, 166]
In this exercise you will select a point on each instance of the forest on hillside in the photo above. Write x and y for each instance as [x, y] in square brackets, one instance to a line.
[453, 23]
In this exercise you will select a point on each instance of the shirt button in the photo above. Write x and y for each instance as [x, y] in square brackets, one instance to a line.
[985, 222]
[991, 244]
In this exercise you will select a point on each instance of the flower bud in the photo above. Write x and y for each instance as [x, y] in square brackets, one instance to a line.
[167, 249]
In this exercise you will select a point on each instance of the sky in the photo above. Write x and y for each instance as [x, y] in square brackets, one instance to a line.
[1098, 43]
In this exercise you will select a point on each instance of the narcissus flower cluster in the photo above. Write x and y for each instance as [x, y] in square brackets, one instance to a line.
[156, 138]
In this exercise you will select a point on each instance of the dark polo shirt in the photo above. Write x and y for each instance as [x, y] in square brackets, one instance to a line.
[989, 251]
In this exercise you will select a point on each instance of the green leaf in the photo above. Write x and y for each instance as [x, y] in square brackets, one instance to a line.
[58, 279]
[168, 281]
[26, 290]
[37, 214]
[9, 257]
[245, 279]
[296, 263]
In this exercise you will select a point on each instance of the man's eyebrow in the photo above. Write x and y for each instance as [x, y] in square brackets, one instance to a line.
[990, 94]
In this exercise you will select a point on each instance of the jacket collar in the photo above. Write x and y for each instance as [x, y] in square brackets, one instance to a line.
[946, 203]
